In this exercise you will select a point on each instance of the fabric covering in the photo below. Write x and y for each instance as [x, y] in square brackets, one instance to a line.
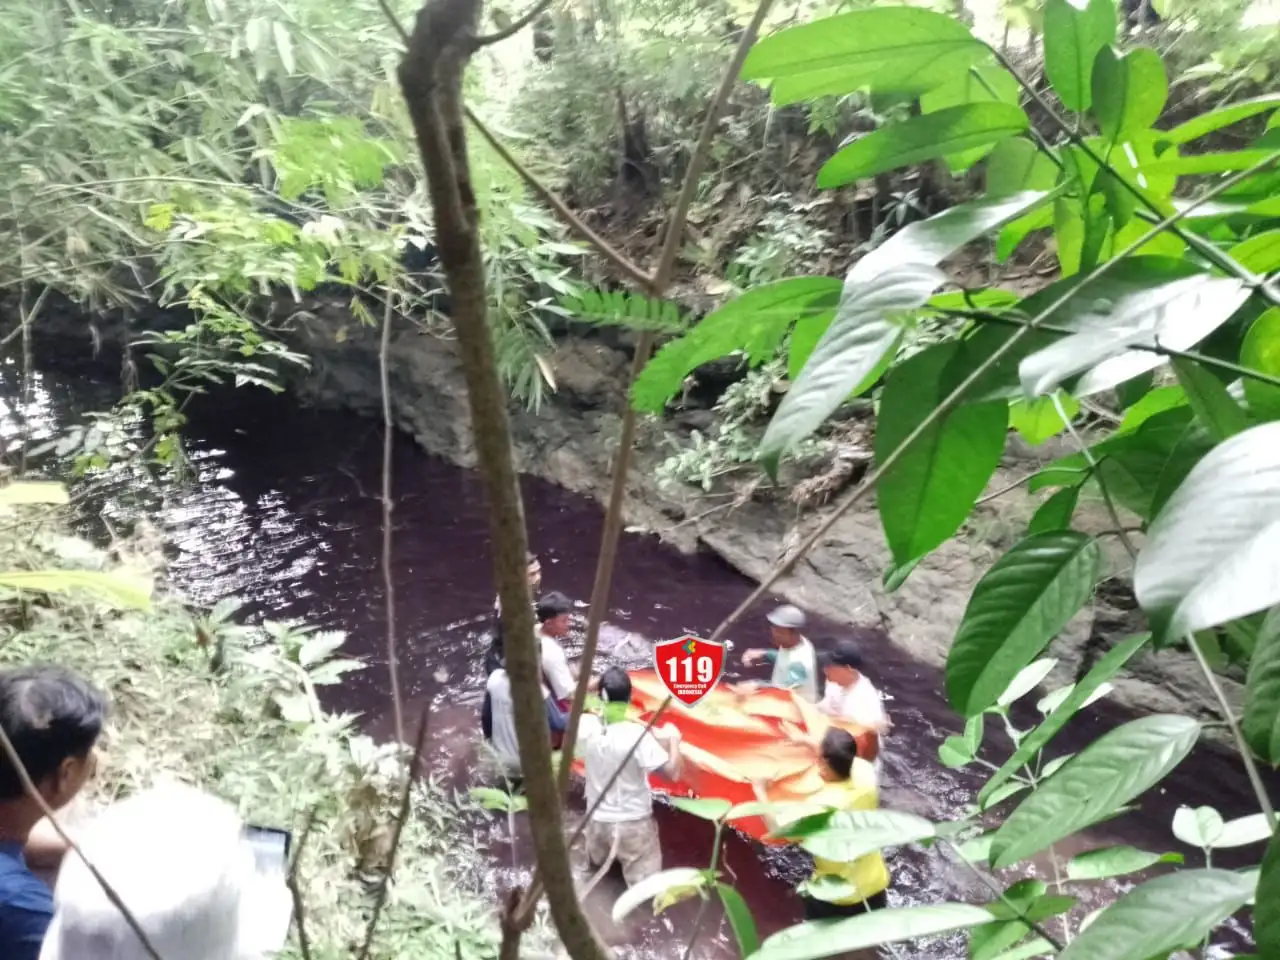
[734, 737]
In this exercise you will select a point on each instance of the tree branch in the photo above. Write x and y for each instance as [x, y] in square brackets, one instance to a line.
[994, 888]
[431, 78]
[953, 399]
[510, 31]
[33, 794]
[295, 891]
[388, 506]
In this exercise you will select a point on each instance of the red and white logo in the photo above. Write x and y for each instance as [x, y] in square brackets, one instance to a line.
[689, 666]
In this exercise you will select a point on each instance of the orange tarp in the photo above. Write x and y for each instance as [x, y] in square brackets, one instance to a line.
[739, 735]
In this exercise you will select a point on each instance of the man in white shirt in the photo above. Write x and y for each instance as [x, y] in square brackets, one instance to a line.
[850, 694]
[795, 665]
[498, 722]
[553, 616]
[622, 827]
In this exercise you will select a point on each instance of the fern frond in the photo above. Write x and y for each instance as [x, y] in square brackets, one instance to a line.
[618, 308]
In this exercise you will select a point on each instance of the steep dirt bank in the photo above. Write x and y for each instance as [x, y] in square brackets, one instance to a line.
[569, 442]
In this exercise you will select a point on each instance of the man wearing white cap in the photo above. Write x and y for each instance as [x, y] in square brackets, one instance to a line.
[795, 665]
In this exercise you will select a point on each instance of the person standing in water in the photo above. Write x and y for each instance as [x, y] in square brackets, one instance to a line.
[849, 693]
[553, 612]
[849, 784]
[622, 827]
[795, 664]
[534, 573]
[498, 722]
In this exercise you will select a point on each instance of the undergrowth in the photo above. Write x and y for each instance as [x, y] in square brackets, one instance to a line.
[233, 709]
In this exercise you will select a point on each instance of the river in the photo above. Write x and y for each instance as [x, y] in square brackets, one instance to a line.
[283, 511]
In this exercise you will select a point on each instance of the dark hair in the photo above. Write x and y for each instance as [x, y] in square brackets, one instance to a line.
[839, 750]
[49, 714]
[844, 653]
[552, 605]
[616, 685]
[495, 656]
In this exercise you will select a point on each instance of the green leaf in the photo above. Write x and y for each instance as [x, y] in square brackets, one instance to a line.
[955, 752]
[950, 131]
[1261, 351]
[1177, 315]
[847, 836]
[710, 808]
[1102, 778]
[1129, 90]
[1028, 678]
[741, 921]
[33, 492]
[1209, 398]
[284, 46]
[981, 83]
[888, 49]
[1204, 163]
[1266, 910]
[1261, 722]
[1161, 915]
[834, 938]
[1197, 827]
[896, 575]
[490, 798]
[1038, 947]
[126, 591]
[1074, 34]
[1018, 606]
[1223, 117]
[754, 323]
[1211, 554]
[1115, 862]
[1055, 513]
[1017, 165]
[930, 490]
[1260, 253]
[1157, 401]
[677, 880]
[1243, 832]
[1038, 420]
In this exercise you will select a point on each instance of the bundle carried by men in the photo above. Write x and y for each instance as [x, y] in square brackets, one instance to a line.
[737, 736]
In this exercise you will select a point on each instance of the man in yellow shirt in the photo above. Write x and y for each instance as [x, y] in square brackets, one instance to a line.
[850, 786]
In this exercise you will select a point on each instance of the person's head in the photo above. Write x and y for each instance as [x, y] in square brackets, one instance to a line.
[842, 663]
[785, 625]
[553, 613]
[838, 751]
[615, 685]
[53, 718]
[178, 859]
[534, 572]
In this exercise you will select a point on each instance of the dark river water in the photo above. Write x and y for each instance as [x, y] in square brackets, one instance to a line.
[283, 511]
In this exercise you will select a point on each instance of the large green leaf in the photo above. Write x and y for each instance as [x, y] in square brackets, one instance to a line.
[1212, 555]
[754, 323]
[846, 836]
[1161, 915]
[950, 131]
[1102, 778]
[1129, 90]
[1204, 163]
[120, 589]
[1266, 910]
[1208, 396]
[1260, 253]
[895, 278]
[827, 938]
[1115, 862]
[741, 921]
[1222, 117]
[981, 83]
[1056, 512]
[1261, 351]
[928, 492]
[1261, 722]
[1074, 33]
[1038, 420]
[887, 49]
[1018, 606]
[1178, 315]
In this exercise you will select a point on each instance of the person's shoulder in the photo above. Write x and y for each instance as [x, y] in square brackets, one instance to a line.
[26, 902]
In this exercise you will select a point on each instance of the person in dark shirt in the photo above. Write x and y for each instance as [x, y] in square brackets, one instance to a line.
[53, 718]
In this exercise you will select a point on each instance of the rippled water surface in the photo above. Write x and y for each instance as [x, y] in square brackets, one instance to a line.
[283, 511]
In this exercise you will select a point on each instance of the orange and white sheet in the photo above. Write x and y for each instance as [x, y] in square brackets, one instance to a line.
[736, 736]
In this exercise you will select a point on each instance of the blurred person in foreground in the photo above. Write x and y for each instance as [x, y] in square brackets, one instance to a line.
[53, 719]
[179, 860]
[851, 887]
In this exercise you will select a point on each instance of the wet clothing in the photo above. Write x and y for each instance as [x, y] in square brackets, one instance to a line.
[498, 720]
[815, 909]
[624, 818]
[638, 850]
[795, 668]
[26, 906]
[868, 874]
[555, 667]
[861, 703]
